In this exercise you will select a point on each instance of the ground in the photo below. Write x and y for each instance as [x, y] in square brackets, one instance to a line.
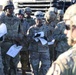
[19, 70]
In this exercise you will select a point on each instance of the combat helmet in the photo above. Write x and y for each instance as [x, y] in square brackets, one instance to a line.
[38, 15]
[53, 9]
[50, 16]
[19, 11]
[28, 9]
[7, 3]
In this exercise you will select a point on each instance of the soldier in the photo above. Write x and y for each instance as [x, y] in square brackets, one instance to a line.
[23, 53]
[50, 18]
[61, 44]
[12, 24]
[60, 15]
[38, 51]
[66, 62]
[1, 64]
[28, 17]
[30, 21]
[55, 11]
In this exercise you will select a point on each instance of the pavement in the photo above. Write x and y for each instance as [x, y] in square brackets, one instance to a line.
[20, 72]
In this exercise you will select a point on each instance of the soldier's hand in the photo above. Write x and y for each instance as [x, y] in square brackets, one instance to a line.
[37, 35]
[17, 40]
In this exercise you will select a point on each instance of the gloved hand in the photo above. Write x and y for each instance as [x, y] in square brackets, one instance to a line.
[37, 35]
[45, 38]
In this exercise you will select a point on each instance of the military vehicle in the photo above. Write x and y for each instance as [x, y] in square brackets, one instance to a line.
[43, 5]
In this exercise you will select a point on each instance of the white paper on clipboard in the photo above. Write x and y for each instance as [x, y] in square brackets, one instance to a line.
[3, 29]
[14, 50]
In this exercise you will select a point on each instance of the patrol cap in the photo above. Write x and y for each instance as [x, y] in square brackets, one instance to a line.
[28, 9]
[38, 15]
[7, 3]
[70, 11]
[53, 9]
[60, 12]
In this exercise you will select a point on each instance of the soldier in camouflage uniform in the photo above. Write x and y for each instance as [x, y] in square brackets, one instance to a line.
[60, 15]
[28, 17]
[55, 11]
[38, 52]
[50, 18]
[31, 22]
[1, 64]
[24, 58]
[12, 24]
[61, 44]
[66, 62]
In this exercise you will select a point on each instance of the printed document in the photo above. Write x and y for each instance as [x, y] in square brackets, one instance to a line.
[3, 29]
[14, 50]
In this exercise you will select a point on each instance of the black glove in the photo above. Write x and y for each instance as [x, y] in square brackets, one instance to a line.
[37, 35]
[17, 41]
[45, 38]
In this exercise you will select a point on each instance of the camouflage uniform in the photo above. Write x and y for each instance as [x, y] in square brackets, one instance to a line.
[31, 22]
[51, 22]
[1, 64]
[61, 44]
[28, 17]
[39, 52]
[24, 58]
[24, 52]
[8, 42]
[66, 62]
[12, 24]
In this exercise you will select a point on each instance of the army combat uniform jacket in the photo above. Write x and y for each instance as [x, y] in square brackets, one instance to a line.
[37, 46]
[65, 64]
[38, 52]
[12, 24]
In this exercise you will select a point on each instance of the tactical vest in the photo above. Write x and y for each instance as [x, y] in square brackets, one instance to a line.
[12, 24]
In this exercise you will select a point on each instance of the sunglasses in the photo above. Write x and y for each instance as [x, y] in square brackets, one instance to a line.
[39, 15]
[67, 27]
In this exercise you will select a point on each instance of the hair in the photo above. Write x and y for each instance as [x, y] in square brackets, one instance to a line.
[70, 14]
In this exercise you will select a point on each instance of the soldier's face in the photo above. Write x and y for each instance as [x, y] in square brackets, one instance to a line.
[28, 14]
[38, 21]
[10, 10]
[20, 16]
[70, 32]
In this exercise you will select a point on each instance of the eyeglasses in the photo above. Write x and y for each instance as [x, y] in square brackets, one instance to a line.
[39, 15]
[67, 27]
